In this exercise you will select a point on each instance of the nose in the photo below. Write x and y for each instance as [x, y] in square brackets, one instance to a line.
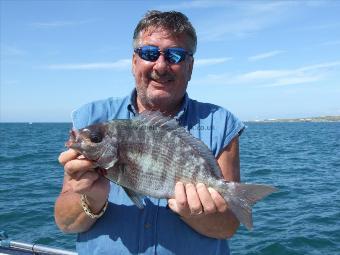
[161, 65]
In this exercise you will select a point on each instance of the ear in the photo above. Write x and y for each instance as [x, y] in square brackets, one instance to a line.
[190, 68]
[133, 67]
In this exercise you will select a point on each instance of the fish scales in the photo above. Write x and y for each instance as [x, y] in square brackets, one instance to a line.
[149, 154]
[152, 162]
[135, 151]
[185, 163]
[147, 148]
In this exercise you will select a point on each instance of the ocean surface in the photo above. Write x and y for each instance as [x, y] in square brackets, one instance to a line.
[301, 159]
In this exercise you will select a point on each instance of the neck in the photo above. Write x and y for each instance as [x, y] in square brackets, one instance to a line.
[168, 111]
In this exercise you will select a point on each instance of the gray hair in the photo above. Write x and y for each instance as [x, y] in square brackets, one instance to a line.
[174, 22]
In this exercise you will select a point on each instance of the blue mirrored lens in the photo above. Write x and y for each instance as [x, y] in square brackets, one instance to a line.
[175, 55]
[151, 53]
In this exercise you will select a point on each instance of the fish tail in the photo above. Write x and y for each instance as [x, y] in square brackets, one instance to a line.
[240, 198]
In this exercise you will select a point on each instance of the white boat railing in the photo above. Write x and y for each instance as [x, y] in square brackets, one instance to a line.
[11, 245]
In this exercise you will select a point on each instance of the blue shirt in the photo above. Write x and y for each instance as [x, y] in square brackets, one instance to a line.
[125, 229]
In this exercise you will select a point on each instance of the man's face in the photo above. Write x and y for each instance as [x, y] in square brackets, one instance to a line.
[161, 85]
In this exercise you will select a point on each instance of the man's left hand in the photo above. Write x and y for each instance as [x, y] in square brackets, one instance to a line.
[196, 200]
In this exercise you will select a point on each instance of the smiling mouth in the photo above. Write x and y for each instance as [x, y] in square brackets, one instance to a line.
[161, 85]
[162, 79]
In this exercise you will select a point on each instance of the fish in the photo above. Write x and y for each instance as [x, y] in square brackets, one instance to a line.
[148, 154]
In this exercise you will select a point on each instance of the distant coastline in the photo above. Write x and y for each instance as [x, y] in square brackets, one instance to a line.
[334, 118]
[307, 119]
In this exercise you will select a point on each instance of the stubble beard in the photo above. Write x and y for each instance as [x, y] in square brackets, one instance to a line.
[167, 105]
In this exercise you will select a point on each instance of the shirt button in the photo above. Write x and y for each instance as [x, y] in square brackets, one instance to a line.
[147, 225]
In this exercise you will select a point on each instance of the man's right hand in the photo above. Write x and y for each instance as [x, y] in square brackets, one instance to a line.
[80, 178]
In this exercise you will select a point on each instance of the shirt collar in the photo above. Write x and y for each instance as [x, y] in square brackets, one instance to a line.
[184, 107]
[132, 103]
[132, 107]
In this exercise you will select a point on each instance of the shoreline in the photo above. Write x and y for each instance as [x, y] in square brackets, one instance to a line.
[333, 118]
[309, 119]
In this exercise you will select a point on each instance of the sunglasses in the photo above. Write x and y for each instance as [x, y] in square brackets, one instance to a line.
[152, 53]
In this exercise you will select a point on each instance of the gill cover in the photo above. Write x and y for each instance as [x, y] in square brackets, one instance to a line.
[94, 144]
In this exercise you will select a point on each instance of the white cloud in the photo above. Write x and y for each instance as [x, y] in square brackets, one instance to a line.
[294, 79]
[118, 65]
[210, 61]
[265, 55]
[274, 78]
[323, 26]
[8, 50]
[124, 64]
[59, 23]
[331, 43]
[326, 65]
[243, 19]
[9, 82]
[199, 4]
[220, 30]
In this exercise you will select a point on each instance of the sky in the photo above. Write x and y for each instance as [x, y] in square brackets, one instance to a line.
[259, 59]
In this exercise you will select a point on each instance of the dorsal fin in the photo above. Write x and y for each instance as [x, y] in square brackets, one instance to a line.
[158, 120]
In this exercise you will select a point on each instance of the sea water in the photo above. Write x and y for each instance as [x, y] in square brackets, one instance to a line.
[301, 159]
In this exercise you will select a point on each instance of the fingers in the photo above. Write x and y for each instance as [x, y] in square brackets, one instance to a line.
[206, 199]
[75, 164]
[194, 202]
[84, 183]
[75, 168]
[79, 172]
[179, 204]
[191, 200]
[66, 156]
[219, 201]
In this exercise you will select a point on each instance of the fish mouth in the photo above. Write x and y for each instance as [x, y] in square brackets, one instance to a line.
[81, 144]
[72, 142]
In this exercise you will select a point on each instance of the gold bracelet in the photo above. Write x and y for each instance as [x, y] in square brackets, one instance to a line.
[88, 211]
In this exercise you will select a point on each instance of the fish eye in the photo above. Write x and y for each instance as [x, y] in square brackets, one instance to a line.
[95, 137]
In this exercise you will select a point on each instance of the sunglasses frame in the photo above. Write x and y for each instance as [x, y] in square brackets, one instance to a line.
[182, 53]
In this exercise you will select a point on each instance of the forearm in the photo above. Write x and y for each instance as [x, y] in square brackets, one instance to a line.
[217, 225]
[79, 178]
[69, 215]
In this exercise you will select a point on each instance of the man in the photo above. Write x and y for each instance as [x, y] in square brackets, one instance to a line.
[197, 220]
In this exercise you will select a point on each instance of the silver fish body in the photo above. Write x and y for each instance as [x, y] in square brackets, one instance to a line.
[149, 154]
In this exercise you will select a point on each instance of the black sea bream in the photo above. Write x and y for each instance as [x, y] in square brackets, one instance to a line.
[147, 155]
